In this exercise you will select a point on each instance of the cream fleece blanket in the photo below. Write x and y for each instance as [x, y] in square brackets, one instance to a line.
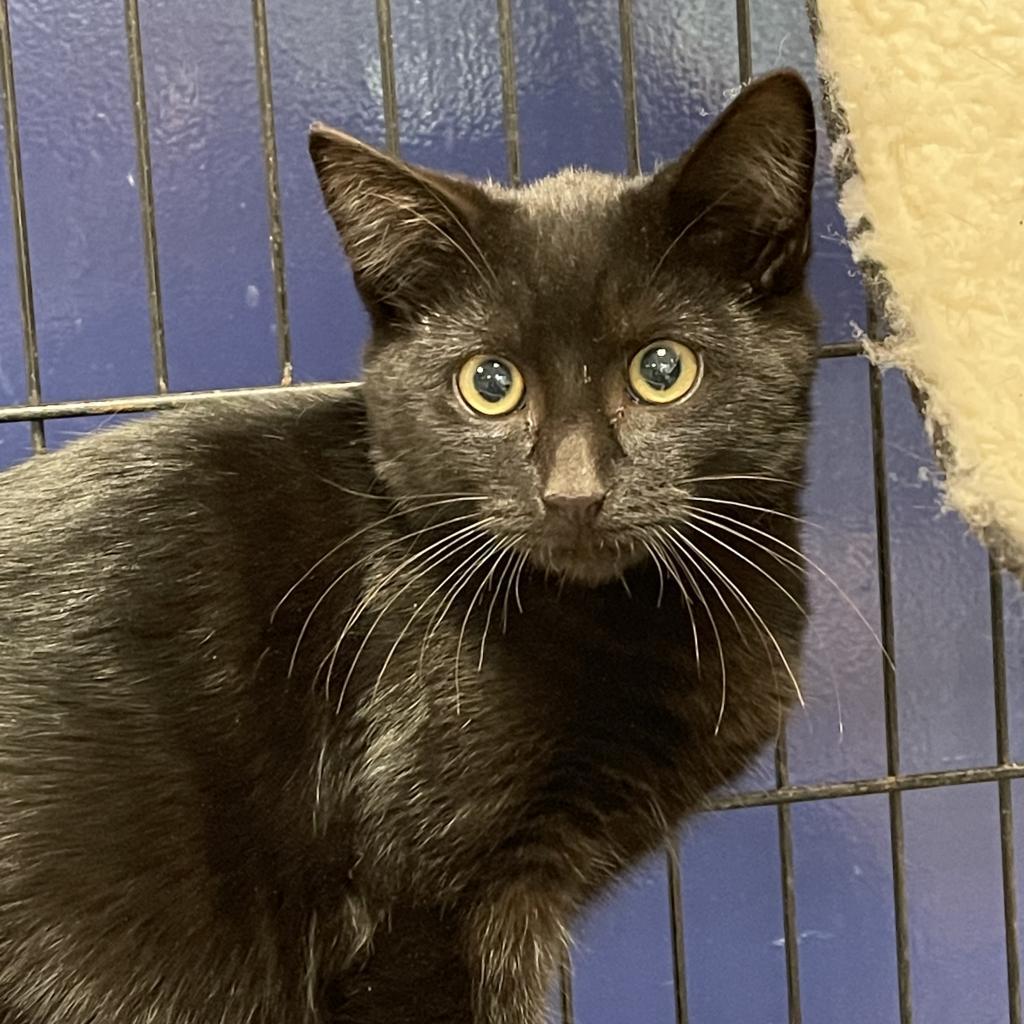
[926, 100]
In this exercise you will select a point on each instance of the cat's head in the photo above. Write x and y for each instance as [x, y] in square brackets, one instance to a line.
[586, 354]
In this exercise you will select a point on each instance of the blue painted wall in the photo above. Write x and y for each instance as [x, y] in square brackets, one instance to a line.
[212, 226]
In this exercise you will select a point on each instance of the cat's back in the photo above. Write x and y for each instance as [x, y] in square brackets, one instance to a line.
[231, 478]
[139, 567]
[201, 443]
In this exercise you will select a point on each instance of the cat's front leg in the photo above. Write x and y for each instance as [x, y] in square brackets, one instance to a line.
[517, 937]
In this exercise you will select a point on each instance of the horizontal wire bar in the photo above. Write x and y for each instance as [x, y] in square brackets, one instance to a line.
[837, 349]
[173, 399]
[150, 403]
[864, 787]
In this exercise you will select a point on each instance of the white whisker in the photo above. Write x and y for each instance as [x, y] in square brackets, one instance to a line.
[504, 548]
[670, 565]
[438, 559]
[714, 627]
[355, 565]
[661, 573]
[513, 577]
[497, 594]
[438, 552]
[751, 610]
[811, 564]
[756, 508]
[385, 496]
[519, 573]
[743, 476]
[674, 545]
[351, 537]
[693, 518]
[466, 571]
[488, 545]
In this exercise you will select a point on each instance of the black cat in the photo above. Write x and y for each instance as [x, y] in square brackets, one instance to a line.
[320, 708]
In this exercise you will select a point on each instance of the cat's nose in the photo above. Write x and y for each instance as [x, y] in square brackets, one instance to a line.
[575, 487]
[583, 508]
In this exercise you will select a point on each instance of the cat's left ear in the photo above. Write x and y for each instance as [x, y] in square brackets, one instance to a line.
[409, 233]
[741, 198]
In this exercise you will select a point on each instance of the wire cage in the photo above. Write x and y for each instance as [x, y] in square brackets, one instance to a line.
[827, 885]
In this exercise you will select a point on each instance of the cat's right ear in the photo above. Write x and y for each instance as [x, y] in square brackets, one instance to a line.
[409, 233]
[741, 197]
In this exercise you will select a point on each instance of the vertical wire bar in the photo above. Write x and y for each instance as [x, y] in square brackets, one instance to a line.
[892, 735]
[675, 899]
[262, 44]
[1006, 838]
[147, 209]
[628, 48]
[385, 45]
[743, 38]
[791, 935]
[565, 991]
[30, 339]
[744, 42]
[509, 91]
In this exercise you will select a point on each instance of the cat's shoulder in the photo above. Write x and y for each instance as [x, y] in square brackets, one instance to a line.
[285, 420]
[247, 449]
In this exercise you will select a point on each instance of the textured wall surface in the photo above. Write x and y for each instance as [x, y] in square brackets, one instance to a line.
[835, 961]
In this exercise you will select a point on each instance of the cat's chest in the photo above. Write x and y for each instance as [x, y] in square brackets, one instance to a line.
[576, 724]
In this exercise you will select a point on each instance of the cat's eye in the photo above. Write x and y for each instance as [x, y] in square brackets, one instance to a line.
[490, 386]
[664, 372]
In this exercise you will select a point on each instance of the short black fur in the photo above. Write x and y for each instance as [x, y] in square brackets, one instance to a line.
[319, 708]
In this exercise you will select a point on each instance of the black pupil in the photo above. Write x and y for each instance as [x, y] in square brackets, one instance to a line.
[660, 367]
[493, 380]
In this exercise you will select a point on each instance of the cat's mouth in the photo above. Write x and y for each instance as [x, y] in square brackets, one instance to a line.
[590, 560]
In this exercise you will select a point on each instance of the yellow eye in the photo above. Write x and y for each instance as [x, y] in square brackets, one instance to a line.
[490, 386]
[664, 372]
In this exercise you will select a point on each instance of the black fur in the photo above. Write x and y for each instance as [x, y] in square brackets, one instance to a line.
[278, 744]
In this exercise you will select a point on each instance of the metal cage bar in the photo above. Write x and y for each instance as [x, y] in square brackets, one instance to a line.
[1006, 838]
[565, 990]
[674, 868]
[892, 735]
[147, 208]
[30, 338]
[744, 41]
[509, 92]
[385, 46]
[890, 784]
[276, 240]
[790, 932]
[627, 49]
[143, 403]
